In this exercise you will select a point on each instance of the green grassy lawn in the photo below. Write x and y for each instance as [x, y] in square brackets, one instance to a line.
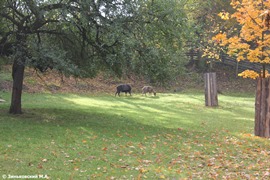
[171, 136]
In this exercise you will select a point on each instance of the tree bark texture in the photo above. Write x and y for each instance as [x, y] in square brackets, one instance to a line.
[262, 108]
[210, 85]
[17, 75]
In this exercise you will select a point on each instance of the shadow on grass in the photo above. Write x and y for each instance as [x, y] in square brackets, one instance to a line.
[109, 116]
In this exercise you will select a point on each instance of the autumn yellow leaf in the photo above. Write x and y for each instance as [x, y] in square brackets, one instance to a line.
[220, 37]
[158, 170]
[143, 170]
[249, 74]
[162, 177]
[247, 135]
[224, 15]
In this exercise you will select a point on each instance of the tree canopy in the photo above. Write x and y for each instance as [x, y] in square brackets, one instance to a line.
[82, 38]
[96, 35]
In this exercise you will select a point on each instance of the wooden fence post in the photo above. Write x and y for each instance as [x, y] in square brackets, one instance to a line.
[262, 108]
[210, 85]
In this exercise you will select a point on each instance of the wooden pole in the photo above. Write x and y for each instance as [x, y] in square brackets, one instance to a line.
[210, 83]
[236, 69]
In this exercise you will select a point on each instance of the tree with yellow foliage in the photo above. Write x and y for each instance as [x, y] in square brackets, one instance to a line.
[252, 43]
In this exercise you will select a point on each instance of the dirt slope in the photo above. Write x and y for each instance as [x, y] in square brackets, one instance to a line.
[54, 82]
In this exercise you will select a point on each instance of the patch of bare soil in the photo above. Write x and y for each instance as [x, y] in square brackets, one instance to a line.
[229, 81]
[54, 82]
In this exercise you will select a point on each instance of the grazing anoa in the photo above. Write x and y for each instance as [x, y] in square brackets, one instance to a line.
[148, 89]
[126, 88]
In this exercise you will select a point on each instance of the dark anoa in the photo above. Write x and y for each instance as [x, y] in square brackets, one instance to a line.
[126, 88]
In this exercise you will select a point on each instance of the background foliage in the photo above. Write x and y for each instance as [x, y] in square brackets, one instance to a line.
[84, 37]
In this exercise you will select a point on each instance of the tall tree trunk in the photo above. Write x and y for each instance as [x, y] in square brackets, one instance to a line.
[17, 75]
[262, 108]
